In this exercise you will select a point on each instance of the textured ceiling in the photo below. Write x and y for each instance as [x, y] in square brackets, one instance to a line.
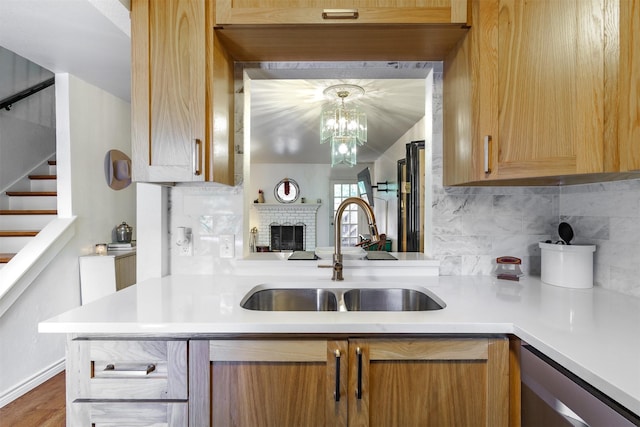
[285, 117]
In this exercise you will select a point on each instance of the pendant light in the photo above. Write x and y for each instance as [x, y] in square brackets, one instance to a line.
[344, 127]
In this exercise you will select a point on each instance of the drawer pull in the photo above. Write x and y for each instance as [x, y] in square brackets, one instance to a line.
[197, 157]
[359, 385]
[487, 154]
[340, 14]
[336, 394]
[110, 369]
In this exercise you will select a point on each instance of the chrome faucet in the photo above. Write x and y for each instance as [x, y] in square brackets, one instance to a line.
[373, 229]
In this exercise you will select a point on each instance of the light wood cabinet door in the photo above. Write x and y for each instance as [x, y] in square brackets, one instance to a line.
[525, 94]
[278, 383]
[181, 94]
[429, 382]
[360, 382]
[628, 79]
[341, 12]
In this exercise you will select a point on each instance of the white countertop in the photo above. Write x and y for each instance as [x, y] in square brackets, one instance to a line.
[591, 332]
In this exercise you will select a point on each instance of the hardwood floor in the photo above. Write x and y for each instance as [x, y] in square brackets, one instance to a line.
[43, 406]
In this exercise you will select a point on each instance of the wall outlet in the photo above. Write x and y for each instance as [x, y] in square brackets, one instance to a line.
[185, 249]
[227, 246]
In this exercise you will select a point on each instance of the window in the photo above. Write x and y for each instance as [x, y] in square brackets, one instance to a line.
[350, 215]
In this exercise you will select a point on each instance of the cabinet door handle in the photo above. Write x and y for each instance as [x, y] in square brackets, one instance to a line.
[340, 14]
[197, 157]
[359, 385]
[487, 154]
[336, 394]
[111, 370]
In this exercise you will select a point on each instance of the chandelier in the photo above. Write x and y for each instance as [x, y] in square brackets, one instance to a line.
[343, 127]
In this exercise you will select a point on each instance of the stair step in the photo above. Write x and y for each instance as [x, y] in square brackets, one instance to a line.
[26, 219]
[18, 233]
[33, 200]
[52, 163]
[5, 257]
[29, 212]
[42, 183]
[31, 193]
[43, 177]
[13, 244]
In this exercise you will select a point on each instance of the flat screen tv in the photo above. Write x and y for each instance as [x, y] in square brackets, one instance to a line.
[365, 189]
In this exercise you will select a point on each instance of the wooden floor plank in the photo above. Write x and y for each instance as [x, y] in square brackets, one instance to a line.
[43, 406]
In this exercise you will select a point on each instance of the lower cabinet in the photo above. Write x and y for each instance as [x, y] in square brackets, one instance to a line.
[127, 382]
[360, 382]
[297, 381]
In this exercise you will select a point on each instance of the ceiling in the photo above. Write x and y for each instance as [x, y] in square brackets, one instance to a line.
[87, 38]
[285, 117]
[90, 39]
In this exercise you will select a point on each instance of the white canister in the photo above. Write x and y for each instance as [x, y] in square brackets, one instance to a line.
[569, 266]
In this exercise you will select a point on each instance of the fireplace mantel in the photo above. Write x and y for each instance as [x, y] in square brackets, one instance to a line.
[286, 206]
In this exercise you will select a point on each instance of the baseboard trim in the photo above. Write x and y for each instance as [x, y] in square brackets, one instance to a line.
[31, 383]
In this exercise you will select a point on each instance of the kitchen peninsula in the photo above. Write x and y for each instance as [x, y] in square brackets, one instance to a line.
[591, 333]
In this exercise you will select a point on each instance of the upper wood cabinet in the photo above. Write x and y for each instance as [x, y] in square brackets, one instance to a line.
[531, 95]
[335, 11]
[625, 70]
[182, 94]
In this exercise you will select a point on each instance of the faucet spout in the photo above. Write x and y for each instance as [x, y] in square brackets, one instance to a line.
[373, 229]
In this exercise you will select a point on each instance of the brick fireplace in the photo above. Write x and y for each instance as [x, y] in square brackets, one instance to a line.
[301, 215]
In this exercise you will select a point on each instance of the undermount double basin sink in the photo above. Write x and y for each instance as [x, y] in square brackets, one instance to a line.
[267, 298]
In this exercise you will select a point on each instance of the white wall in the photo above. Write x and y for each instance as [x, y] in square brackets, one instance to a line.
[313, 180]
[386, 169]
[97, 123]
[27, 130]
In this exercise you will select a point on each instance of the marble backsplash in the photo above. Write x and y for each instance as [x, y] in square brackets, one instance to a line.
[471, 226]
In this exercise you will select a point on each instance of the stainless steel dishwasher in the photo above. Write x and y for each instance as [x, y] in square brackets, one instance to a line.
[552, 396]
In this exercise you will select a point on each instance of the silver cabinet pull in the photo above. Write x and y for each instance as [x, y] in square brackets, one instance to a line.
[340, 14]
[197, 157]
[487, 154]
[128, 371]
[359, 385]
[336, 394]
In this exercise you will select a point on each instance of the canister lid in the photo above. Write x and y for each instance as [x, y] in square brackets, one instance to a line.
[566, 248]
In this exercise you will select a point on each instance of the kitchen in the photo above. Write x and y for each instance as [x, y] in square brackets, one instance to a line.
[458, 205]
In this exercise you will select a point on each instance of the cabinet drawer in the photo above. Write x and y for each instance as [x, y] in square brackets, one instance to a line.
[256, 12]
[131, 369]
[140, 414]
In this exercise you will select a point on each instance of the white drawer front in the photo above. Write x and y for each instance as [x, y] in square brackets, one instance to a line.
[131, 369]
[139, 414]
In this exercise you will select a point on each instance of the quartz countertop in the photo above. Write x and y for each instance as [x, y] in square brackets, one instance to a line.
[591, 332]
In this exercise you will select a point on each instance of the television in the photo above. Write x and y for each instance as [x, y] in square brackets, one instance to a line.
[365, 189]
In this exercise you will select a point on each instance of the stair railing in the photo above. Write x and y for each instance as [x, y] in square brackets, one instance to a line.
[9, 101]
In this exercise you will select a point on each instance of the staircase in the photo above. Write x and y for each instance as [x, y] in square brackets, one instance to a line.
[28, 211]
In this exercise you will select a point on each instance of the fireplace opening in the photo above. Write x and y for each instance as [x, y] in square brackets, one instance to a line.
[285, 237]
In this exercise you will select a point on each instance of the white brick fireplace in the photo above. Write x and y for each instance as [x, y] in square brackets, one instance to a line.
[286, 214]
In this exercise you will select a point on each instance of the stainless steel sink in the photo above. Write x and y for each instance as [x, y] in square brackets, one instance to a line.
[393, 299]
[268, 298]
[293, 299]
